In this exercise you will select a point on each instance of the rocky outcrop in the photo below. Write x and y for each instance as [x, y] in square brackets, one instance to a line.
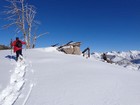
[71, 48]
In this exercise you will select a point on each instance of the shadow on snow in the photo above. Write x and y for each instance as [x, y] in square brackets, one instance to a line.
[10, 57]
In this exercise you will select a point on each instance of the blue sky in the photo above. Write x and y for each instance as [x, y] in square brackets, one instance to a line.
[102, 25]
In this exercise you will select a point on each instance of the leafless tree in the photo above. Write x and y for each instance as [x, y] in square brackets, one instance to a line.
[30, 15]
[21, 14]
[36, 37]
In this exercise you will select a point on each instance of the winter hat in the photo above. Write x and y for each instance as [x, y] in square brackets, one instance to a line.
[17, 38]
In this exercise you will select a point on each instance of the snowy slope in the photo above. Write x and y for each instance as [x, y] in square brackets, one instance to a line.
[5, 69]
[54, 78]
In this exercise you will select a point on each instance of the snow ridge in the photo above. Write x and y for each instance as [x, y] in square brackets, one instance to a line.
[11, 93]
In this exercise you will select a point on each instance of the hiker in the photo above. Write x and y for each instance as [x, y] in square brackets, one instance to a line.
[18, 47]
[104, 56]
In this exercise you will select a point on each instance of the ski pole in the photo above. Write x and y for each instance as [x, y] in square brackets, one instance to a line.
[11, 47]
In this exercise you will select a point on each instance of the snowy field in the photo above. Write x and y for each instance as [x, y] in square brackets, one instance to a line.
[48, 77]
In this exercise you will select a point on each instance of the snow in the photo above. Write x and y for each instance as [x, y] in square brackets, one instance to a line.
[10, 94]
[4, 69]
[49, 77]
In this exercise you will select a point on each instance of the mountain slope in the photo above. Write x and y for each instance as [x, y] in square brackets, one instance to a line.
[60, 79]
[130, 59]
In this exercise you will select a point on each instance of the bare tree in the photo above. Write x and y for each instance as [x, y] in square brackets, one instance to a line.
[22, 15]
[36, 37]
[30, 15]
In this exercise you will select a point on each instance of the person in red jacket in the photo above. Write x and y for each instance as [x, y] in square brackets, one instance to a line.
[17, 44]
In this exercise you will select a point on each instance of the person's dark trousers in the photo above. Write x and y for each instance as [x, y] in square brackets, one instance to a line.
[19, 52]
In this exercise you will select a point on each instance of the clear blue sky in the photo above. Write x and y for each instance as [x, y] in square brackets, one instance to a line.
[102, 25]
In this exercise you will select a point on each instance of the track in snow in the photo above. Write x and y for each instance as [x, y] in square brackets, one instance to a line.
[11, 93]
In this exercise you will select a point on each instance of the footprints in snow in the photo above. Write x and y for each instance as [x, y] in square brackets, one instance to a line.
[11, 93]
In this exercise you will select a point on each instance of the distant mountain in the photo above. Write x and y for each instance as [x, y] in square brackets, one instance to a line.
[130, 59]
[3, 47]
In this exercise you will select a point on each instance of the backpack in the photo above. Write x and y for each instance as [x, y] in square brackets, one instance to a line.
[18, 44]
